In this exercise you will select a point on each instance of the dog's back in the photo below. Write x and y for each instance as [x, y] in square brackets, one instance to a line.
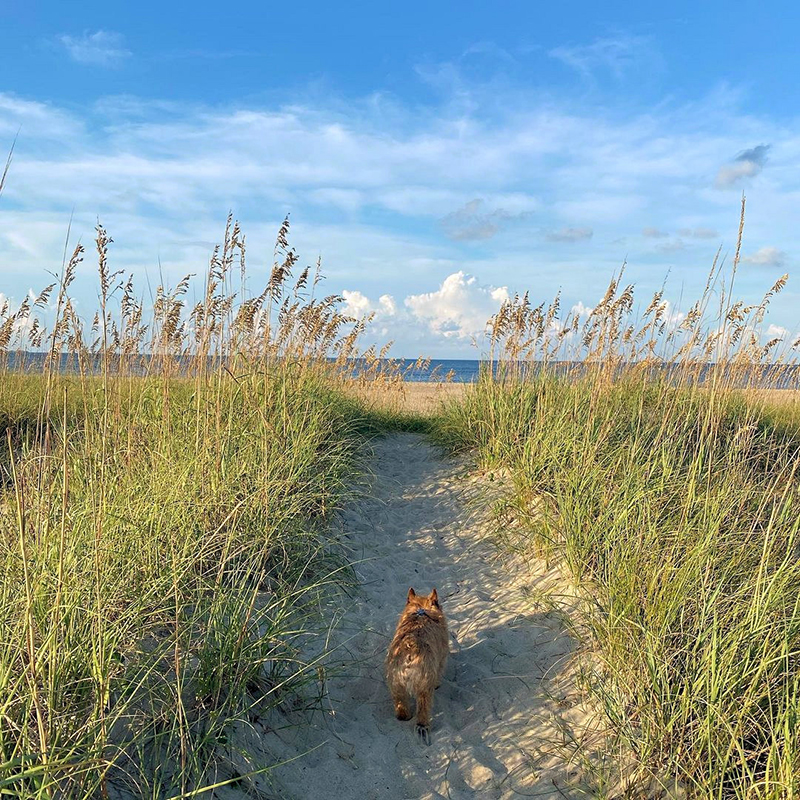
[417, 657]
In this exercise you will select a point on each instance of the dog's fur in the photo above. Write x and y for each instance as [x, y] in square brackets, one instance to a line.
[416, 658]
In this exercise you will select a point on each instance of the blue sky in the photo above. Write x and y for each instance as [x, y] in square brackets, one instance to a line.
[438, 156]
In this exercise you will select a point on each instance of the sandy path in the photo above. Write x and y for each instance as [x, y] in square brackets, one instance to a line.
[507, 720]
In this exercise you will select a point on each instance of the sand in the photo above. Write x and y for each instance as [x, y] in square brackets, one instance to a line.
[425, 398]
[409, 397]
[508, 719]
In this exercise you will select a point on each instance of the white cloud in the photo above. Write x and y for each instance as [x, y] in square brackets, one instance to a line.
[777, 332]
[581, 310]
[671, 316]
[672, 246]
[383, 314]
[699, 233]
[766, 257]
[570, 235]
[358, 305]
[100, 48]
[367, 190]
[746, 165]
[42, 122]
[387, 305]
[457, 311]
[473, 221]
[653, 233]
[616, 55]
[460, 308]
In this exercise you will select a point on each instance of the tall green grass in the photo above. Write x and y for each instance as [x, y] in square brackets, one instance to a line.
[673, 499]
[163, 553]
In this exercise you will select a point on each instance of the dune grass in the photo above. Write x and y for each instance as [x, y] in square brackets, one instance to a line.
[678, 511]
[670, 491]
[164, 559]
[161, 551]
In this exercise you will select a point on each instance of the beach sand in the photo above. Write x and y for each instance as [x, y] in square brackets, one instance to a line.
[409, 397]
[425, 398]
[508, 719]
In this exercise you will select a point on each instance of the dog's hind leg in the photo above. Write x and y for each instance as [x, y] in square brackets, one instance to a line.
[424, 704]
[401, 702]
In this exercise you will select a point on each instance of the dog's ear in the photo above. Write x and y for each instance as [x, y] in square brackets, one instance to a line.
[411, 594]
[434, 598]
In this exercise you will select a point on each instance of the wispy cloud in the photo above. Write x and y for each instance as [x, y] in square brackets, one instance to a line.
[672, 246]
[40, 121]
[684, 233]
[699, 233]
[373, 192]
[570, 235]
[616, 55]
[473, 222]
[100, 48]
[766, 257]
[746, 165]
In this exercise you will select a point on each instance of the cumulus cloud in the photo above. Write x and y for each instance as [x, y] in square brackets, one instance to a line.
[746, 165]
[358, 305]
[671, 316]
[766, 257]
[387, 305]
[581, 310]
[653, 233]
[101, 48]
[777, 332]
[460, 308]
[383, 313]
[472, 222]
[570, 235]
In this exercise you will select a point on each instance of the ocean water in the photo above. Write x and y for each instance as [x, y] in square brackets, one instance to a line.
[461, 370]
[458, 370]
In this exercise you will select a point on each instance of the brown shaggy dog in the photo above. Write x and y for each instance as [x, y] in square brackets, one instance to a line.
[416, 658]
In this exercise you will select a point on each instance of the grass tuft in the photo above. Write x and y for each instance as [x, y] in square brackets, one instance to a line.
[165, 483]
[661, 474]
